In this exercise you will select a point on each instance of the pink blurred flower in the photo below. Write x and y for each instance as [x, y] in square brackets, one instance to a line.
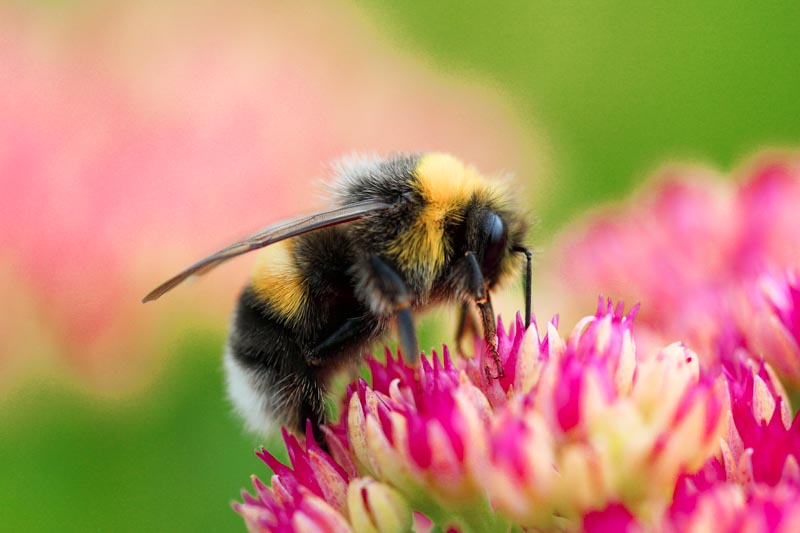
[699, 253]
[127, 154]
[727, 507]
[615, 518]
[715, 264]
[575, 428]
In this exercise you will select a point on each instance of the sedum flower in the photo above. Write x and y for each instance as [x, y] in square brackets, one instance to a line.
[728, 507]
[376, 507]
[772, 322]
[309, 496]
[318, 494]
[413, 430]
[609, 427]
[698, 252]
[574, 426]
[586, 432]
[750, 486]
[601, 427]
[753, 483]
[615, 518]
[761, 443]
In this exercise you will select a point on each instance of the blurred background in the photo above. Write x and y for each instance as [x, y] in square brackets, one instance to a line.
[137, 137]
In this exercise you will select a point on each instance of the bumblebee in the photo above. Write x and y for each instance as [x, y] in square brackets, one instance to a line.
[405, 233]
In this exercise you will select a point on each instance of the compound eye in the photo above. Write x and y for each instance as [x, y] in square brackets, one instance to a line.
[495, 236]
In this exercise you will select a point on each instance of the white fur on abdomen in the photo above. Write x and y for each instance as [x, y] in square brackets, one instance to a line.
[248, 396]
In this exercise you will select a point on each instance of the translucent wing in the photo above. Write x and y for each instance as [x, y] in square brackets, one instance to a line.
[271, 235]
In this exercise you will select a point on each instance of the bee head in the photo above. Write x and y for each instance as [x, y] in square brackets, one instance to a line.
[462, 212]
[491, 230]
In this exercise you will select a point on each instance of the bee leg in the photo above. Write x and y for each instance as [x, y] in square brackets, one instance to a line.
[477, 287]
[528, 256]
[466, 326]
[312, 416]
[490, 335]
[386, 285]
[408, 335]
[348, 330]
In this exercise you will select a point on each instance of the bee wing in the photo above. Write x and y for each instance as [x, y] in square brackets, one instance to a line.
[271, 235]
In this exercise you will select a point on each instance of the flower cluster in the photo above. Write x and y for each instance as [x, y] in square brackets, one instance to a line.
[319, 494]
[772, 322]
[580, 433]
[714, 264]
[753, 483]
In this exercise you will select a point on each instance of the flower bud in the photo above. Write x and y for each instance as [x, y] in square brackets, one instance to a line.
[377, 508]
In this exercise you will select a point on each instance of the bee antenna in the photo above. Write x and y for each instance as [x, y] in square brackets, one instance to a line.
[528, 275]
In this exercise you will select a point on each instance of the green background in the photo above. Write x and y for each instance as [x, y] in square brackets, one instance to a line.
[621, 87]
[616, 87]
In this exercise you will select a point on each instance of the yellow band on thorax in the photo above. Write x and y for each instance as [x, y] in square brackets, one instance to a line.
[445, 185]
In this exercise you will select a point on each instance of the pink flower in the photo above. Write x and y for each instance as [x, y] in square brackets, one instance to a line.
[771, 322]
[317, 494]
[728, 507]
[601, 427]
[702, 259]
[420, 433]
[753, 482]
[312, 493]
[575, 428]
[698, 253]
[761, 444]
[615, 517]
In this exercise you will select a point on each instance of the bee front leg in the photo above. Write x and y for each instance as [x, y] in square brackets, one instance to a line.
[387, 293]
[476, 285]
[349, 330]
[526, 281]
[466, 325]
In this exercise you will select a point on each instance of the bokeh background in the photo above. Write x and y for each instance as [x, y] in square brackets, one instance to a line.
[137, 137]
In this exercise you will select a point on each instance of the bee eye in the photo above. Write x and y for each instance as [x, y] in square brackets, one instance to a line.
[495, 236]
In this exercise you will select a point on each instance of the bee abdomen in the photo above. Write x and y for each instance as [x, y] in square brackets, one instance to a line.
[266, 400]
[278, 281]
[269, 382]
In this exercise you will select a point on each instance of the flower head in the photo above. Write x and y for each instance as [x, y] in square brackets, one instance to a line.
[318, 494]
[575, 428]
[601, 427]
[727, 507]
[311, 493]
[700, 254]
[770, 320]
